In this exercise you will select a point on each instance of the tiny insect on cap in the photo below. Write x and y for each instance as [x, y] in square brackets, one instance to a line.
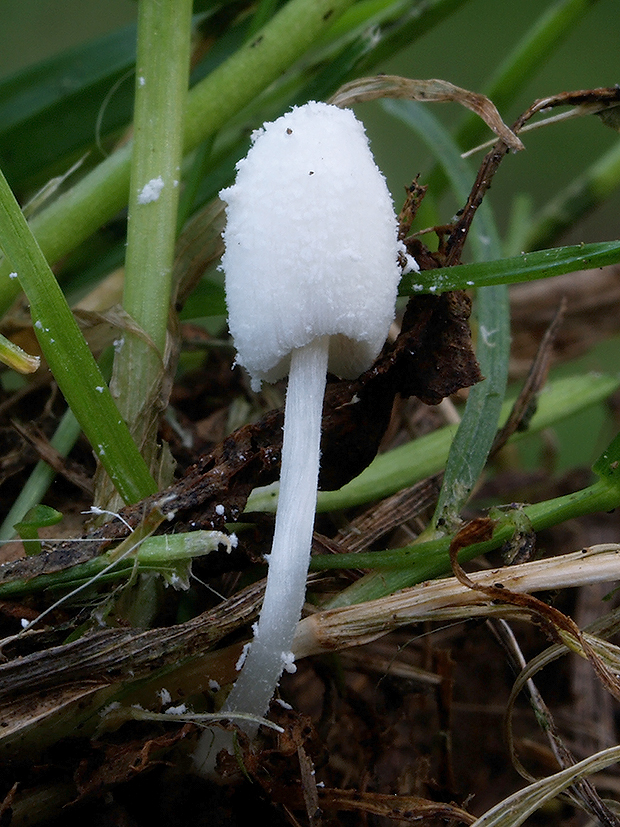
[311, 245]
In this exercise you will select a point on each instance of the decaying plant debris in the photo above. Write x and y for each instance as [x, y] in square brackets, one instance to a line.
[410, 731]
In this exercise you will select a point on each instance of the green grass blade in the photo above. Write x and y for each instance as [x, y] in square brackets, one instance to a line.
[526, 267]
[477, 430]
[49, 112]
[164, 35]
[68, 356]
[473, 440]
[408, 464]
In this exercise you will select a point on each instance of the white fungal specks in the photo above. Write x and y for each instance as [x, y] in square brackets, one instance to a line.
[151, 190]
[99, 388]
[107, 710]
[220, 510]
[181, 709]
[177, 582]
[411, 265]
[12, 275]
[141, 80]
[164, 696]
[242, 656]
[288, 662]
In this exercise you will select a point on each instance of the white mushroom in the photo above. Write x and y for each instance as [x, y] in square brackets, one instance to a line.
[312, 272]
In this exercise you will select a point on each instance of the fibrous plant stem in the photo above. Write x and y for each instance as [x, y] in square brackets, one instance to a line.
[164, 33]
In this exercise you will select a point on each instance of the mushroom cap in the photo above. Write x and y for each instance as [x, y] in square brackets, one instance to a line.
[311, 245]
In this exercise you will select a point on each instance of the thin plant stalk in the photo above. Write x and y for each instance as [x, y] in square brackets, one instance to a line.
[162, 70]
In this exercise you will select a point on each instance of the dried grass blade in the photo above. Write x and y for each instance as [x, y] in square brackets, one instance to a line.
[336, 629]
[514, 810]
[433, 90]
[583, 792]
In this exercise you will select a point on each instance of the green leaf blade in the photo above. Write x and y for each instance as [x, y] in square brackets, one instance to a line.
[525, 267]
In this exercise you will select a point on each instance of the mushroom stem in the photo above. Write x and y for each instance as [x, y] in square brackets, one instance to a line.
[292, 540]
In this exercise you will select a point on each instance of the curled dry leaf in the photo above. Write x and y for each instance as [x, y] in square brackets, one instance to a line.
[602, 102]
[394, 86]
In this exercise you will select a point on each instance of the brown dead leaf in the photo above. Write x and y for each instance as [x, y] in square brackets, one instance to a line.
[39, 691]
[394, 86]
[602, 101]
